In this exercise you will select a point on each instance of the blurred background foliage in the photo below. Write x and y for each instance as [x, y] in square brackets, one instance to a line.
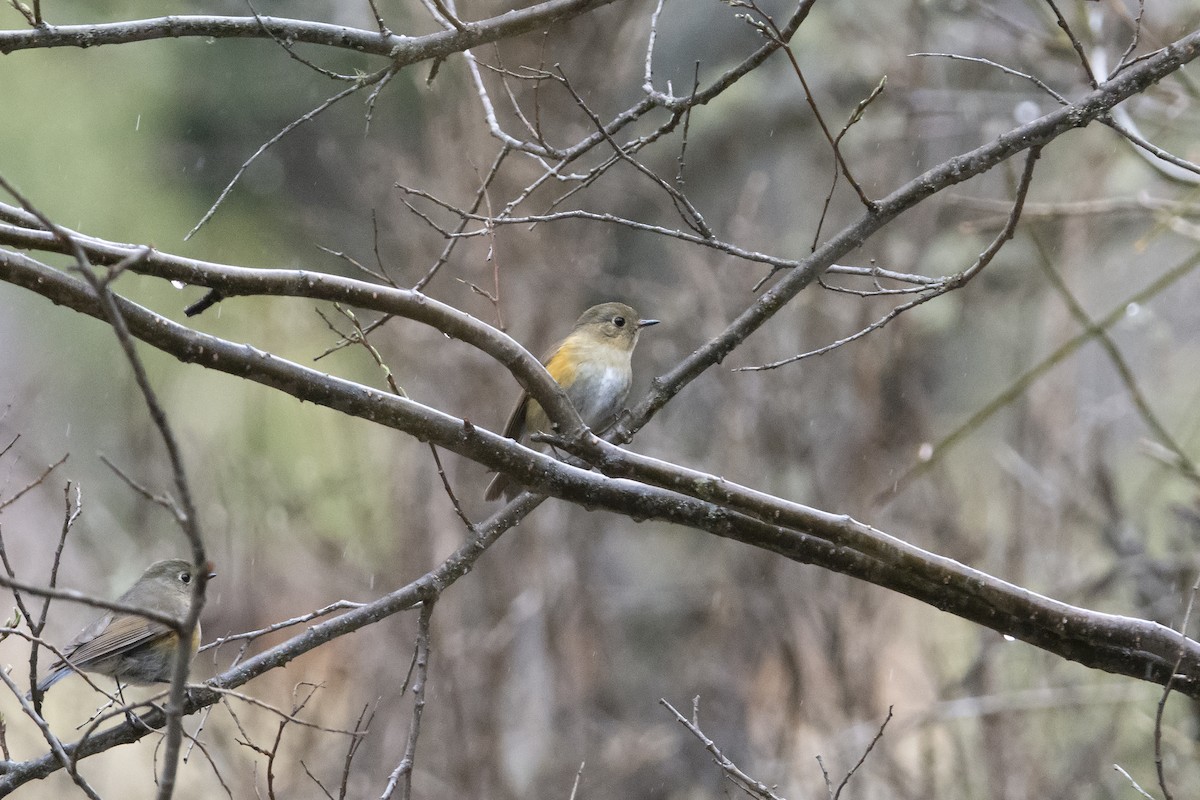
[557, 648]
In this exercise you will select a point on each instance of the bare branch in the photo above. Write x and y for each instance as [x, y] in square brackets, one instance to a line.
[401, 777]
[1038, 82]
[1133, 783]
[739, 778]
[364, 81]
[984, 599]
[402, 50]
[58, 752]
[36, 482]
[1075, 43]
[954, 171]
[1022, 382]
[164, 500]
[687, 211]
[950, 284]
[186, 516]
[1182, 460]
[862, 759]
[340, 605]
[1162, 702]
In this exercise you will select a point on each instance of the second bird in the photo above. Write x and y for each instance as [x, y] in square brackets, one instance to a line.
[593, 365]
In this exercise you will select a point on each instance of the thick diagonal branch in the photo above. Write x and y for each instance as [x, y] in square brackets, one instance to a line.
[1132, 647]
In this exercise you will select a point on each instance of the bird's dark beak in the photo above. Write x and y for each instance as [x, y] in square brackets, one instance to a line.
[210, 569]
[646, 323]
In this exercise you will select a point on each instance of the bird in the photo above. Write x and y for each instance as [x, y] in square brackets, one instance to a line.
[128, 647]
[593, 364]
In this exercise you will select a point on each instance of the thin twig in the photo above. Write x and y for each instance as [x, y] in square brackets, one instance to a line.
[687, 212]
[730, 769]
[355, 741]
[402, 775]
[288, 716]
[765, 24]
[1184, 462]
[193, 741]
[1133, 783]
[878, 735]
[362, 81]
[340, 605]
[328, 794]
[297, 707]
[493, 171]
[164, 500]
[683, 136]
[73, 596]
[1121, 122]
[575, 785]
[1133, 41]
[1162, 702]
[1075, 43]
[447, 15]
[357, 265]
[950, 284]
[1038, 82]
[675, 233]
[375, 249]
[454, 501]
[1022, 382]
[72, 509]
[292, 54]
[854, 117]
[373, 96]
[36, 482]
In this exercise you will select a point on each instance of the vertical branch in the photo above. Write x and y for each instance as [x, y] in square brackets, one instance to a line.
[687, 121]
[1075, 43]
[855, 116]
[1162, 702]
[71, 512]
[402, 775]
[362, 729]
[37, 625]
[766, 25]
[1123, 61]
[184, 508]
[452, 241]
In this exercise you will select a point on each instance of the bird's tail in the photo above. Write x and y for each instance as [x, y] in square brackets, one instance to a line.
[500, 485]
[51, 678]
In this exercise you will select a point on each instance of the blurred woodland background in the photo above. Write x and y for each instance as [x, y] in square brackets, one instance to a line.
[554, 652]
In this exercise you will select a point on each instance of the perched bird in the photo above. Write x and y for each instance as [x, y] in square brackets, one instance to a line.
[593, 364]
[128, 647]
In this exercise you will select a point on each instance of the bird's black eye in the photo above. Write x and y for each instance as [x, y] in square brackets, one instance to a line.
[186, 577]
[619, 322]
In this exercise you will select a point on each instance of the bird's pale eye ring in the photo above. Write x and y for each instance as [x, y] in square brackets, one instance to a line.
[186, 577]
[619, 322]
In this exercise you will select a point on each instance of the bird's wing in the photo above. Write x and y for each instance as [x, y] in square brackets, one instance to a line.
[515, 427]
[122, 634]
[560, 363]
[563, 362]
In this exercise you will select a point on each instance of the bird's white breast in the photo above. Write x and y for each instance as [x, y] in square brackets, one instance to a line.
[602, 395]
